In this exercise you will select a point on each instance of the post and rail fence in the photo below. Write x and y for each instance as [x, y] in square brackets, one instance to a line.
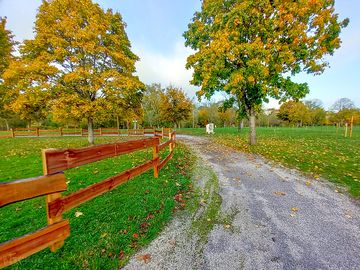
[38, 132]
[53, 183]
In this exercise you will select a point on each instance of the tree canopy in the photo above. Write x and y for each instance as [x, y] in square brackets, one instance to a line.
[250, 49]
[342, 104]
[175, 106]
[81, 56]
[6, 48]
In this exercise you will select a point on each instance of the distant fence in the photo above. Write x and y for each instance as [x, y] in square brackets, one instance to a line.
[55, 162]
[37, 132]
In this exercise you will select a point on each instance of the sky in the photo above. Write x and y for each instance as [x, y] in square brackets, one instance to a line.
[155, 29]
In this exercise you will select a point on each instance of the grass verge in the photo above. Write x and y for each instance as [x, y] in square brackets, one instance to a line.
[318, 151]
[113, 226]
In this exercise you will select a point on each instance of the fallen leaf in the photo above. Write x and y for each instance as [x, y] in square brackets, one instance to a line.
[227, 226]
[280, 193]
[78, 214]
[135, 235]
[104, 235]
[308, 183]
[145, 258]
[172, 242]
[121, 255]
[294, 209]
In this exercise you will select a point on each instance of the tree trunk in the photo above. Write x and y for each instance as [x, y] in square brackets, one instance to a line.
[117, 122]
[252, 134]
[7, 124]
[90, 131]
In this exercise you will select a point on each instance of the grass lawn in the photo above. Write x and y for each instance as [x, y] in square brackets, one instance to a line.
[114, 225]
[320, 151]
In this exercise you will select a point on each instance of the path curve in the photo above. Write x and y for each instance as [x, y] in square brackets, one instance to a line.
[280, 219]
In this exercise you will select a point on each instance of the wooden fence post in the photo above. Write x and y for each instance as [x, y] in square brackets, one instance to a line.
[346, 129]
[171, 144]
[61, 133]
[156, 159]
[50, 198]
[351, 126]
[37, 132]
[100, 132]
[12, 133]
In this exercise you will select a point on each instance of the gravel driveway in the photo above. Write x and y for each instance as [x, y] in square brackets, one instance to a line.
[269, 217]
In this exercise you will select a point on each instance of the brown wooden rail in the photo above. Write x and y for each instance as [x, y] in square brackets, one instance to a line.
[37, 132]
[55, 161]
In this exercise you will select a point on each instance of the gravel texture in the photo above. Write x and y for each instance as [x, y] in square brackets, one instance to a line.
[269, 217]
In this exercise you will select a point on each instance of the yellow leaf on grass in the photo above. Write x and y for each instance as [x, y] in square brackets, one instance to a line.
[78, 214]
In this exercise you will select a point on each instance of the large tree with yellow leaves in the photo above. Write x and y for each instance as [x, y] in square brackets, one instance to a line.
[250, 49]
[80, 59]
[6, 48]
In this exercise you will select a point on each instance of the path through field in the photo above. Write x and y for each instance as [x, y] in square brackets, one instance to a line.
[268, 217]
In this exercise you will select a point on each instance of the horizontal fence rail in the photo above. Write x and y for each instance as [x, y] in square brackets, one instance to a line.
[53, 183]
[38, 132]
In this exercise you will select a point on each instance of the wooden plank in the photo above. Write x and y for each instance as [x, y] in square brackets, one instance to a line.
[23, 189]
[163, 163]
[25, 133]
[58, 206]
[163, 145]
[22, 247]
[135, 132]
[62, 159]
[26, 129]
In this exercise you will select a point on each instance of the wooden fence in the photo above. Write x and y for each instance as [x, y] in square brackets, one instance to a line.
[37, 132]
[55, 162]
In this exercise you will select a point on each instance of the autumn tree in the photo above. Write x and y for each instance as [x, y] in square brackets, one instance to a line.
[316, 110]
[175, 106]
[151, 104]
[81, 56]
[250, 49]
[6, 48]
[294, 112]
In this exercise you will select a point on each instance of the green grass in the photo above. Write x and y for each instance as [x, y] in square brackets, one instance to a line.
[104, 237]
[319, 151]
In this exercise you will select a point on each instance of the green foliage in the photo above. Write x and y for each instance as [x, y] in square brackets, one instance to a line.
[247, 48]
[152, 103]
[103, 237]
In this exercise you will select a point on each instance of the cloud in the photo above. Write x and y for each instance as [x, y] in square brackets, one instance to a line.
[155, 67]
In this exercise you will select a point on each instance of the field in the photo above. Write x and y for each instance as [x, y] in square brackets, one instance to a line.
[318, 151]
[109, 228]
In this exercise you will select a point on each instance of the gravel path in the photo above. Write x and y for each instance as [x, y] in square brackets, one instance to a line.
[269, 217]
